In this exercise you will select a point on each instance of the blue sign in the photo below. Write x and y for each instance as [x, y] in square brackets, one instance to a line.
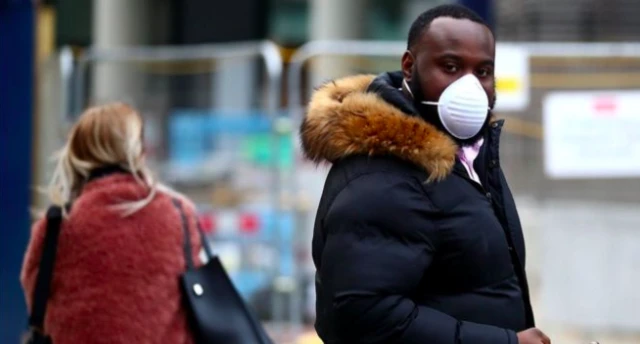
[193, 134]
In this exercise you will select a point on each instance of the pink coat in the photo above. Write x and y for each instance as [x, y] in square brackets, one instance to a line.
[116, 280]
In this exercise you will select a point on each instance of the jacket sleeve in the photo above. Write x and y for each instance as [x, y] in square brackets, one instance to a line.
[380, 240]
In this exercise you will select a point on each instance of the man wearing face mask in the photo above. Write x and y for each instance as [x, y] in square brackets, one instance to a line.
[417, 238]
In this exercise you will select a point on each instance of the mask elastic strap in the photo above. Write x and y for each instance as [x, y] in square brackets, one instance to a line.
[406, 85]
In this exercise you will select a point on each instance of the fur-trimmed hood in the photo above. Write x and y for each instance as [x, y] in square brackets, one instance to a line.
[344, 119]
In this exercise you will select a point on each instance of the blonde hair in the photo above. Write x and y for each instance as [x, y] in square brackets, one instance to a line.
[105, 135]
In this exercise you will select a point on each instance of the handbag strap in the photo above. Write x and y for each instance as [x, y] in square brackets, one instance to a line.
[188, 256]
[204, 242]
[45, 271]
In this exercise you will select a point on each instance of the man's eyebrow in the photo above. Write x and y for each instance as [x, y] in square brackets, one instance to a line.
[448, 55]
[488, 62]
[457, 57]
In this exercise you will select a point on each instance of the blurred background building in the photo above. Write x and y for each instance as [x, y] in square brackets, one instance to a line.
[222, 85]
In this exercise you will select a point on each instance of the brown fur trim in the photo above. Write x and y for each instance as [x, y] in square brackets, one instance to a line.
[343, 119]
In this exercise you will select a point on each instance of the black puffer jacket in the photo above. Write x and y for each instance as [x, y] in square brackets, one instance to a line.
[408, 249]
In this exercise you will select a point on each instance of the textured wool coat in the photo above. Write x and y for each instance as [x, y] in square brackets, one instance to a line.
[116, 279]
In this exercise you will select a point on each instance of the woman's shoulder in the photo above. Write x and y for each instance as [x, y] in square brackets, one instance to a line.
[124, 187]
[99, 204]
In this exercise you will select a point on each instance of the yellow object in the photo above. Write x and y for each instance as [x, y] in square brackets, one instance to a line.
[309, 338]
[45, 32]
[508, 85]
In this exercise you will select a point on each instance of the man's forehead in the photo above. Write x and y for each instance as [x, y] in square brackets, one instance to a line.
[446, 33]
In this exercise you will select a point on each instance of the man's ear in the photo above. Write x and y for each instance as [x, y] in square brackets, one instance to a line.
[407, 65]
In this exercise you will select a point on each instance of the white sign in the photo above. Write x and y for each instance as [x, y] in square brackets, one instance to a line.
[512, 77]
[592, 134]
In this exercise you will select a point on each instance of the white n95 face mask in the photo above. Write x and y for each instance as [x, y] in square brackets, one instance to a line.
[462, 107]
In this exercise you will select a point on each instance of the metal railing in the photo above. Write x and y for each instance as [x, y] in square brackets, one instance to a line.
[75, 79]
[266, 50]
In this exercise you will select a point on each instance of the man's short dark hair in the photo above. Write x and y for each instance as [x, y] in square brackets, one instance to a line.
[450, 10]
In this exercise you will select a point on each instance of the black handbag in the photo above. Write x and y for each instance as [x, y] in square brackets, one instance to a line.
[217, 311]
[36, 333]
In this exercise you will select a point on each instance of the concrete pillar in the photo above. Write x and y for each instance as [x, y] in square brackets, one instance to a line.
[49, 127]
[335, 19]
[119, 23]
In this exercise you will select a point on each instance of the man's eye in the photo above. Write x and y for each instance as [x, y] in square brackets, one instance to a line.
[483, 72]
[451, 68]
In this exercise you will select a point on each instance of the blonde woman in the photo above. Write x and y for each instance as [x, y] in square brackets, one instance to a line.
[120, 251]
